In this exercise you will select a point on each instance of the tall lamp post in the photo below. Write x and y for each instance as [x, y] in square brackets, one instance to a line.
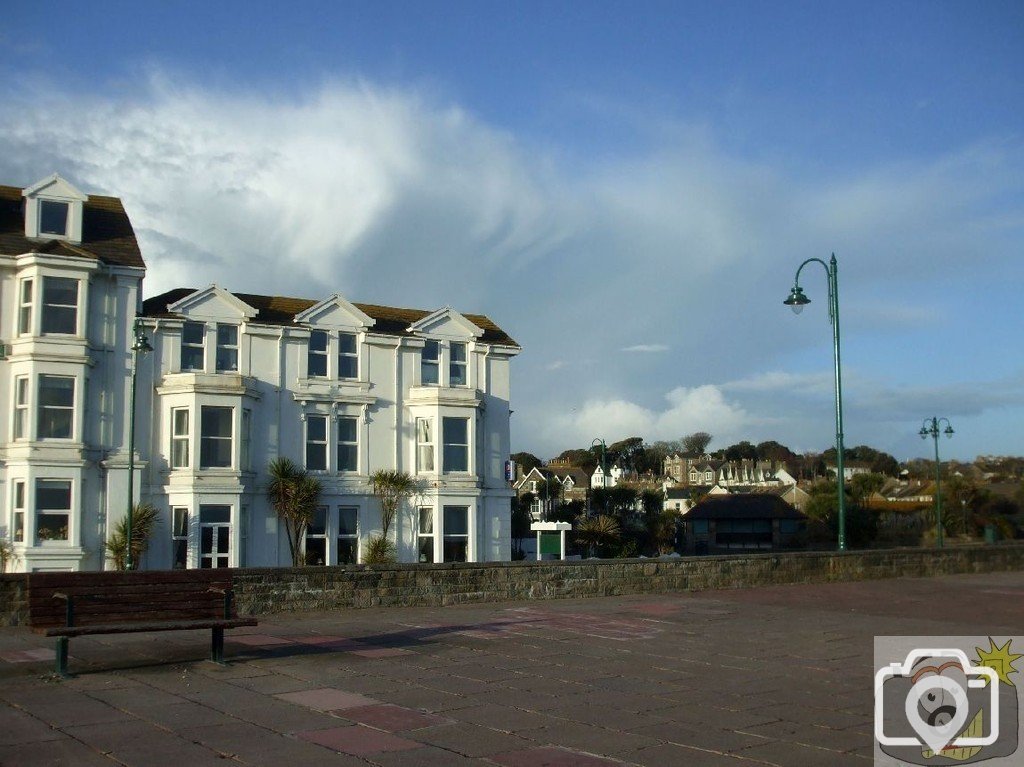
[604, 470]
[797, 301]
[930, 428]
[140, 344]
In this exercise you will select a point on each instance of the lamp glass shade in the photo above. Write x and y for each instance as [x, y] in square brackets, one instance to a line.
[797, 300]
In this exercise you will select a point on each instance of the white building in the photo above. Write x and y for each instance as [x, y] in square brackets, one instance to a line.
[614, 476]
[233, 382]
[70, 281]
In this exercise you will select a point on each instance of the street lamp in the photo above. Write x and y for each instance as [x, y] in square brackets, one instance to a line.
[140, 344]
[930, 428]
[797, 301]
[604, 470]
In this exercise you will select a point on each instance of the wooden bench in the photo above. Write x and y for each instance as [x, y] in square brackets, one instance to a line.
[65, 605]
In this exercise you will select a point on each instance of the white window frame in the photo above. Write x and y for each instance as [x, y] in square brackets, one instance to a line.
[321, 444]
[179, 439]
[426, 454]
[21, 425]
[203, 437]
[354, 444]
[454, 364]
[179, 535]
[229, 350]
[351, 357]
[43, 204]
[426, 539]
[55, 512]
[214, 558]
[464, 446]
[352, 537]
[41, 406]
[19, 502]
[50, 308]
[447, 536]
[26, 291]
[322, 536]
[432, 363]
[193, 345]
[322, 355]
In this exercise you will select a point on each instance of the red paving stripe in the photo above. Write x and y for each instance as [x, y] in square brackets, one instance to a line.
[393, 718]
[358, 740]
[258, 640]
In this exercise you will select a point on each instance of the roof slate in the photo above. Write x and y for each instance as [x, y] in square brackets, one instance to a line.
[280, 310]
[107, 234]
[748, 506]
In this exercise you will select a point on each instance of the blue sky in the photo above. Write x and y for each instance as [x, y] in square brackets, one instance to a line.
[627, 188]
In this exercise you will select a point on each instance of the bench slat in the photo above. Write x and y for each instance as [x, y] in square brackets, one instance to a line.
[134, 628]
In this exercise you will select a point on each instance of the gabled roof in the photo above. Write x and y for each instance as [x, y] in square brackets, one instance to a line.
[747, 506]
[107, 234]
[279, 310]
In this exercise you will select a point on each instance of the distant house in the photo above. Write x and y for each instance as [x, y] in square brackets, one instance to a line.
[850, 469]
[704, 470]
[572, 486]
[600, 479]
[751, 522]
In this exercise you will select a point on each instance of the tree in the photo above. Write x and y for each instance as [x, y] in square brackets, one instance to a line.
[526, 461]
[391, 488]
[863, 486]
[579, 456]
[520, 523]
[739, 451]
[861, 522]
[295, 495]
[144, 519]
[598, 533]
[696, 443]
[774, 451]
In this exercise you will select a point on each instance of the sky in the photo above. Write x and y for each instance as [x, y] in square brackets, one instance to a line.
[626, 188]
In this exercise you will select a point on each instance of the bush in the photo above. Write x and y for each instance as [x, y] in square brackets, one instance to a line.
[380, 551]
[144, 519]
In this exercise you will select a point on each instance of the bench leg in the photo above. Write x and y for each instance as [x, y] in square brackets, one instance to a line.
[217, 646]
[62, 656]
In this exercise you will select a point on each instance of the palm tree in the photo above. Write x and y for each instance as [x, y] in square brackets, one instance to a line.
[295, 495]
[391, 487]
[598, 533]
[144, 519]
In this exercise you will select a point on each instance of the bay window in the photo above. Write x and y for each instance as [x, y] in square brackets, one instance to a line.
[215, 434]
[180, 431]
[53, 509]
[60, 305]
[456, 534]
[56, 407]
[456, 445]
[424, 445]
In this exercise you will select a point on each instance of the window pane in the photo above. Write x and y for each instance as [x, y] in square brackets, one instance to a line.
[348, 367]
[318, 523]
[61, 291]
[347, 429]
[227, 335]
[458, 351]
[57, 391]
[348, 551]
[431, 350]
[455, 430]
[53, 217]
[455, 458]
[457, 374]
[60, 305]
[212, 514]
[179, 454]
[318, 340]
[56, 406]
[347, 343]
[316, 456]
[317, 357]
[456, 520]
[53, 494]
[216, 421]
[180, 554]
[348, 458]
[191, 358]
[52, 527]
[425, 458]
[316, 428]
[426, 521]
[456, 550]
[181, 422]
[227, 360]
[193, 333]
[316, 552]
[426, 550]
[180, 522]
[347, 520]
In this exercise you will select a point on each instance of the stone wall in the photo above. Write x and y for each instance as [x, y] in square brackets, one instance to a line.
[270, 590]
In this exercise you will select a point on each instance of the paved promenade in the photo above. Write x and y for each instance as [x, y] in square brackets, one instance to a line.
[777, 675]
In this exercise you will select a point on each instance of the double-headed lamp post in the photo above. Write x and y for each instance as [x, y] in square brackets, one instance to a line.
[797, 301]
[140, 344]
[930, 428]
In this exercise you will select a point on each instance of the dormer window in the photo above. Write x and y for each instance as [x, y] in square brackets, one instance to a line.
[53, 218]
[452, 357]
[53, 210]
[343, 346]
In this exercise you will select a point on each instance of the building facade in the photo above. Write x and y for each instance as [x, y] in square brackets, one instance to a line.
[70, 282]
[233, 382]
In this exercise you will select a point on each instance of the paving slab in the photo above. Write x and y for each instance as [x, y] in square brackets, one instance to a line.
[777, 675]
